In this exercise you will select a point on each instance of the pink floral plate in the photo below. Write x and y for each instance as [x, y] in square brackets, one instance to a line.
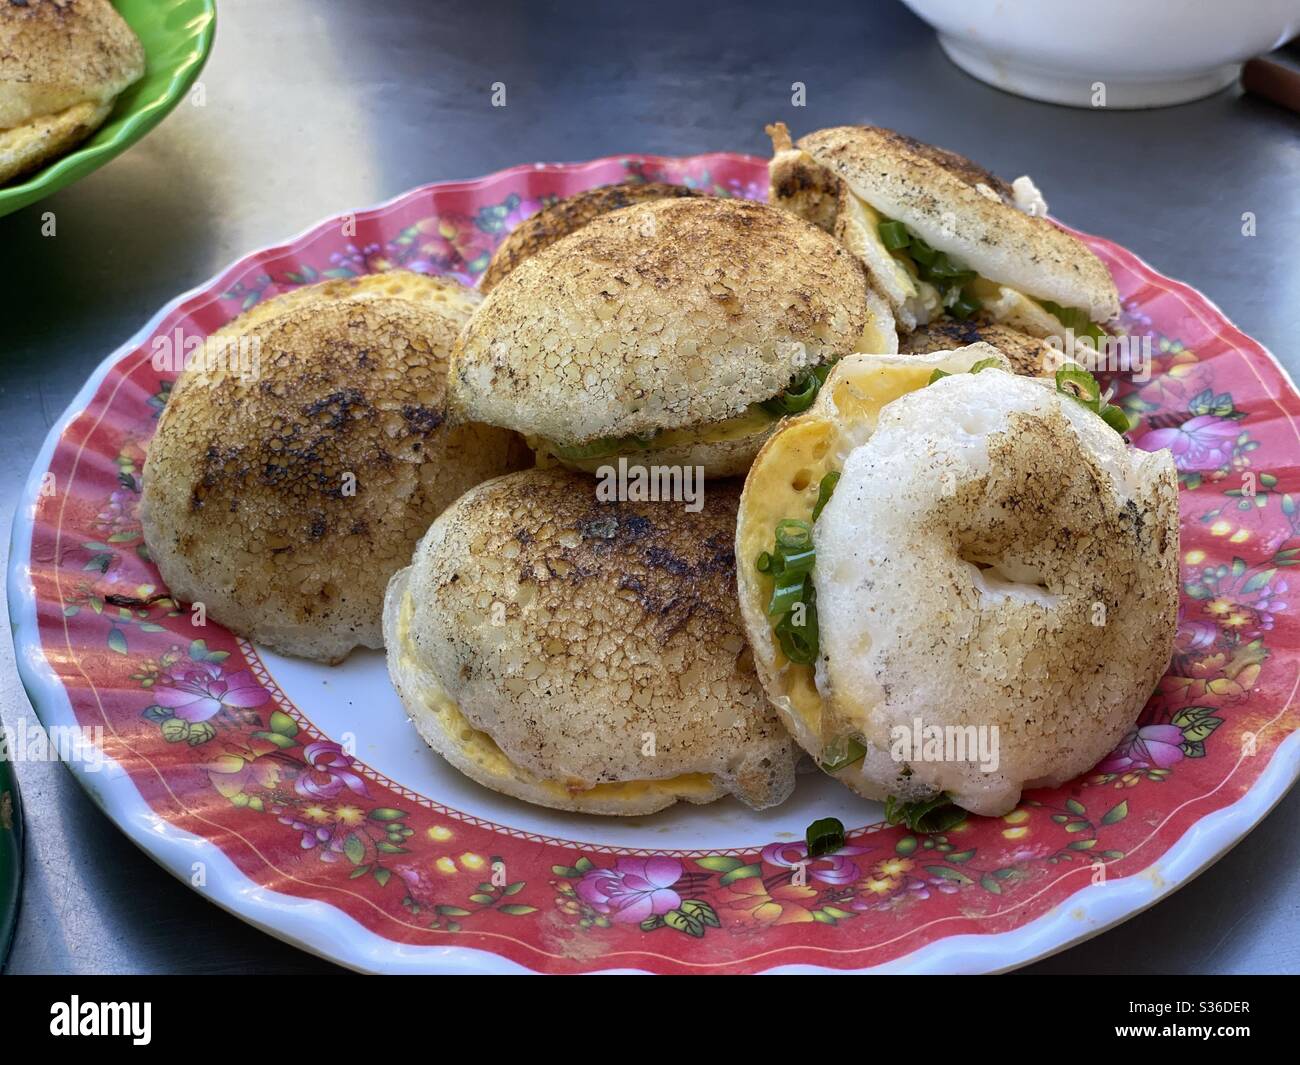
[300, 798]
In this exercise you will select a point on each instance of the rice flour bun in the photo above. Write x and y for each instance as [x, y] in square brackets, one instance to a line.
[993, 556]
[283, 492]
[585, 655]
[661, 330]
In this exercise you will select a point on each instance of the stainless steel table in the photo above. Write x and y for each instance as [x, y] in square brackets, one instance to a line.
[314, 106]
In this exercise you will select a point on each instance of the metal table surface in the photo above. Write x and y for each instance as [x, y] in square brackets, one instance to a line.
[316, 106]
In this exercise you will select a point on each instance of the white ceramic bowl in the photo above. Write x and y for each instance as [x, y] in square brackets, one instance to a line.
[1111, 53]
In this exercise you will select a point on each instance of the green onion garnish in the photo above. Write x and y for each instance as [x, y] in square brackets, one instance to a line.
[937, 814]
[944, 269]
[800, 395]
[799, 642]
[1079, 384]
[784, 596]
[1083, 388]
[824, 492]
[802, 391]
[799, 562]
[921, 252]
[793, 605]
[1117, 418]
[938, 375]
[894, 235]
[793, 534]
[935, 267]
[824, 837]
[1073, 318]
[984, 364]
[841, 753]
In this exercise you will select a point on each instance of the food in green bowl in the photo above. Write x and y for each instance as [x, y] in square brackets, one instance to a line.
[82, 80]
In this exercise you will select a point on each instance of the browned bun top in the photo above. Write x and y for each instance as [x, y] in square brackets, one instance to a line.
[564, 216]
[285, 498]
[568, 629]
[665, 315]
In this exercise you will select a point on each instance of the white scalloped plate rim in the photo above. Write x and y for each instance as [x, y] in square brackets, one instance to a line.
[326, 931]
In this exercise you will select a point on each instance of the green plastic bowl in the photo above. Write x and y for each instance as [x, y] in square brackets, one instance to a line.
[177, 36]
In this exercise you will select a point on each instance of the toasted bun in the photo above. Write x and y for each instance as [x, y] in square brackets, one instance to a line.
[666, 315]
[1028, 355]
[783, 483]
[995, 556]
[26, 147]
[57, 54]
[564, 216]
[957, 207]
[284, 499]
[565, 631]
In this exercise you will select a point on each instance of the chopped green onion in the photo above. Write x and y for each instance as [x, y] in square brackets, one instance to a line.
[1083, 388]
[938, 375]
[824, 492]
[964, 306]
[944, 269]
[894, 235]
[921, 252]
[764, 563]
[842, 753]
[984, 364]
[824, 837]
[1117, 418]
[1079, 384]
[799, 643]
[793, 534]
[785, 594]
[799, 562]
[800, 395]
[937, 814]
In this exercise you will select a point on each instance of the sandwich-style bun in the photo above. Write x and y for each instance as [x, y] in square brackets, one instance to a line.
[1028, 355]
[993, 555]
[784, 482]
[583, 655]
[284, 492]
[953, 204]
[561, 218]
[667, 317]
[61, 67]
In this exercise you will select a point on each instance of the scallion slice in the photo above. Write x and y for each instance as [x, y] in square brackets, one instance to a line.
[1079, 384]
[842, 753]
[894, 235]
[1117, 418]
[799, 642]
[785, 593]
[793, 534]
[824, 491]
[936, 814]
[799, 562]
[825, 836]
[964, 306]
